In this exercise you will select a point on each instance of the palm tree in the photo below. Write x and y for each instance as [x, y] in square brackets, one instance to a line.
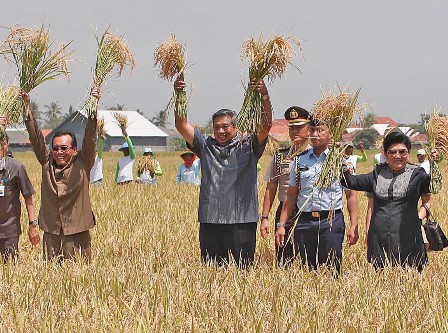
[37, 114]
[53, 115]
[160, 119]
[118, 107]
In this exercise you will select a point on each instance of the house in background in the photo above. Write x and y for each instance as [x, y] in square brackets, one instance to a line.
[19, 140]
[142, 132]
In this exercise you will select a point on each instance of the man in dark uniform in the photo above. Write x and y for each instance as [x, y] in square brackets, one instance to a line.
[277, 177]
[320, 230]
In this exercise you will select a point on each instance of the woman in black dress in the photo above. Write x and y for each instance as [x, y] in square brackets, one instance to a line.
[395, 234]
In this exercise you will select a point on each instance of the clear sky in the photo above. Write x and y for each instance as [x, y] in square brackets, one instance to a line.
[397, 51]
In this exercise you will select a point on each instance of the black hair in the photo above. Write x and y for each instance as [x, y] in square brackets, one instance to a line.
[62, 133]
[396, 137]
[225, 112]
[315, 122]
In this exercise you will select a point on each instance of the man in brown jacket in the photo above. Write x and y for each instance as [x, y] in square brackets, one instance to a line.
[66, 214]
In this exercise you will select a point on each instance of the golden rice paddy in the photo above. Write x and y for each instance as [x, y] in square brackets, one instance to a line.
[146, 275]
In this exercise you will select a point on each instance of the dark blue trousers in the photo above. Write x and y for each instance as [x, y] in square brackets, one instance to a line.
[318, 244]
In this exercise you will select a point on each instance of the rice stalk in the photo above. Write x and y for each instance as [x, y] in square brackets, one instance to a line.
[170, 56]
[113, 53]
[266, 59]
[147, 163]
[336, 111]
[35, 56]
[100, 128]
[437, 131]
[121, 120]
[9, 107]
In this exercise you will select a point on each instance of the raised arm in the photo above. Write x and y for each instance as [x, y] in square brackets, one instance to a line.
[35, 134]
[89, 142]
[100, 147]
[158, 169]
[182, 125]
[363, 157]
[258, 85]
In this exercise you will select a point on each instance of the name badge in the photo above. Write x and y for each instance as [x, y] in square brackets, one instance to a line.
[2, 190]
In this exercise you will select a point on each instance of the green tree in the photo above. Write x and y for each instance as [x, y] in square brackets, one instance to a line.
[37, 114]
[177, 143]
[118, 107]
[367, 136]
[160, 119]
[368, 120]
[207, 128]
[53, 115]
[71, 109]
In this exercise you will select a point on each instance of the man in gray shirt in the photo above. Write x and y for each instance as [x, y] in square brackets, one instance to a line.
[228, 198]
[13, 181]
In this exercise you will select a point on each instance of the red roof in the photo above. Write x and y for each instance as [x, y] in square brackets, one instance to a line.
[279, 130]
[385, 120]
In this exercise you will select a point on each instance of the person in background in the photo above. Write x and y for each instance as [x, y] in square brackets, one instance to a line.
[422, 161]
[96, 174]
[188, 172]
[395, 236]
[66, 214]
[277, 177]
[13, 181]
[125, 165]
[349, 158]
[144, 174]
[228, 198]
[320, 230]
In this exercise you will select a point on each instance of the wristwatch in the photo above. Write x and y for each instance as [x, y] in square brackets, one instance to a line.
[33, 222]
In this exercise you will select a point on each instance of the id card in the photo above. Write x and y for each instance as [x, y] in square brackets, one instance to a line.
[2, 190]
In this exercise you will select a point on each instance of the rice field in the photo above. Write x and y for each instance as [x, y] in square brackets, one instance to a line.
[146, 276]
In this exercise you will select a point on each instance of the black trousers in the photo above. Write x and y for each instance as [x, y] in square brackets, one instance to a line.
[318, 244]
[222, 242]
[9, 248]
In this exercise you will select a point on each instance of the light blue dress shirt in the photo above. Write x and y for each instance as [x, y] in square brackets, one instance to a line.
[310, 167]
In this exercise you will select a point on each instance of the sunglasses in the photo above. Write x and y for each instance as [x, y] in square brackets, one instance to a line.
[401, 152]
[61, 148]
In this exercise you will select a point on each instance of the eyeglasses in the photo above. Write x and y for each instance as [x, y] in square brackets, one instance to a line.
[401, 152]
[224, 127]
[60, 148]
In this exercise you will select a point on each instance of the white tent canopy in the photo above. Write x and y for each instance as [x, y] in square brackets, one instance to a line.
[137, 125]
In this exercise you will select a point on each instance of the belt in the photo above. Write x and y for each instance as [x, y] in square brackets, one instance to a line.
[322, 214]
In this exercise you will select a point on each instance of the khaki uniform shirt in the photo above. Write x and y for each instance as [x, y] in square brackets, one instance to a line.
[15, 180]
[65, 200]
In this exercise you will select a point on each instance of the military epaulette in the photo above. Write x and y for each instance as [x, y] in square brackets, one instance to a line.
[303, 152]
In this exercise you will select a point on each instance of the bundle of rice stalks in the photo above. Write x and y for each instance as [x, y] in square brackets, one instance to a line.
[31, 51]
[121, 120]
[336, 111]
[437, 131]
[100, 128]
[147, 163]
[9, 107]
[170, 55]
[266, 59]
[113, 52]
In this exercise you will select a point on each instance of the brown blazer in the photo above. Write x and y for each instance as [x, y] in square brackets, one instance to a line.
[65, 200]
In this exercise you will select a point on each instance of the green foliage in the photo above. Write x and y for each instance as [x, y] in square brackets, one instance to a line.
[160, 119]
[53, 115]
[367, 136]
[177, 143]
